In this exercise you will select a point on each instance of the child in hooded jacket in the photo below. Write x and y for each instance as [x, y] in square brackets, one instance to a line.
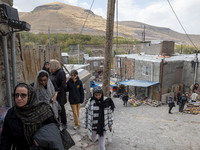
[99, 116]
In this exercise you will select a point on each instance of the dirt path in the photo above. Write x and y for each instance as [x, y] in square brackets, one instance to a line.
[147, 128]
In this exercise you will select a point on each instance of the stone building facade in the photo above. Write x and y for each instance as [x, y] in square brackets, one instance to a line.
[4, 28]
[158, 48]
[29, 60]
[95, 65]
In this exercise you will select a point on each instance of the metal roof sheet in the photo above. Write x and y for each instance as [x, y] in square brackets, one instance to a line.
[138, 83]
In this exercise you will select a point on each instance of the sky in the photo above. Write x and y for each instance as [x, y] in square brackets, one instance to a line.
[153, 12]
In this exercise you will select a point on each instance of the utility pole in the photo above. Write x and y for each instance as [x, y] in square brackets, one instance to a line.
[143, 34]
[108, 47]
[196, 65]
[78, 54]
[49, 36]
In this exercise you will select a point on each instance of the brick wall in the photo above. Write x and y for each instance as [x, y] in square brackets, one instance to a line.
[93, 68]
[127, 67]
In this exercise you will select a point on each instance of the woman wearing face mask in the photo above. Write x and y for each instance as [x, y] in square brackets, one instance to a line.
[24, 119]
[99, 116]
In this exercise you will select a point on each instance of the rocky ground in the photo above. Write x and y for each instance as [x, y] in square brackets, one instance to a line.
[143, 128]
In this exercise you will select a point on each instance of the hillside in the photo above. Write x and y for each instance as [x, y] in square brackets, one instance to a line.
[64, 18]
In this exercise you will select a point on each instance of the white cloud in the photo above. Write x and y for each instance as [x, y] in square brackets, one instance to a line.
[72, 2]
[154, 12]
[84, 5]
[100, 12]
[161, 14]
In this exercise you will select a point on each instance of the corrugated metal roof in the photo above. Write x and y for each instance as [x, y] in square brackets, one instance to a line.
[138, 83]
[93, 58]
[71, 67]
[157, 58]
[64, 54]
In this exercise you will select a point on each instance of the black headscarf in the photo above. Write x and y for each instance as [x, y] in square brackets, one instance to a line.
[102, 104]
[32, 114]
[44, 68]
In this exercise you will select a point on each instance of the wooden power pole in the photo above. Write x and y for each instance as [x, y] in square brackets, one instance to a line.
[108, 47]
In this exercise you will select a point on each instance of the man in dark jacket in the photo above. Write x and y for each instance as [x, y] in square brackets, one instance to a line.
[76, 95]
[182, 101]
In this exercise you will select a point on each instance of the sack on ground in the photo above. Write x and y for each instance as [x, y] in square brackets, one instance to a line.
[68, 142]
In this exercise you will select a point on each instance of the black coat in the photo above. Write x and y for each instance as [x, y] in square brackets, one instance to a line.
[76, 92]
[183, 99]
[59, 78]
[13, 133]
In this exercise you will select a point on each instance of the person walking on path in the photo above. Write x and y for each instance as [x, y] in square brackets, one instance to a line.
[171, 103]
[99, 116]
[76, 95]
[58, 76]
[178, 96]
[182, 101]
[45, 91]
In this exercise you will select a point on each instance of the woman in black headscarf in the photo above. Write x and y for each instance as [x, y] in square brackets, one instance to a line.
[99, 116]
[24, 119]
[46, 66]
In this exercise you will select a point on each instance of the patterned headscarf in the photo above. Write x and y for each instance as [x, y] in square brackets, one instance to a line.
[42, 94]
[32, 114]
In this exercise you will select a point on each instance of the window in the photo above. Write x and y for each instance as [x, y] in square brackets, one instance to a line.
[145, 70]
[95, 63]
[119, 62]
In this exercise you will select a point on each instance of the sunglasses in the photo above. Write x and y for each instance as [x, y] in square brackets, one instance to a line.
[22, 95]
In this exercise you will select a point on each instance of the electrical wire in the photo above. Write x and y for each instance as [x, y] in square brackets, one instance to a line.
[86, 17]
[182, 25]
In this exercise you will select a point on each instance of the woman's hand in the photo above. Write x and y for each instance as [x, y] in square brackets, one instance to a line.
[54, 97]
[36, 143]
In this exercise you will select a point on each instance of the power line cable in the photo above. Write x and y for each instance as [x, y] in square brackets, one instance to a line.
[87, 17]
[117, 17]
[182, 25]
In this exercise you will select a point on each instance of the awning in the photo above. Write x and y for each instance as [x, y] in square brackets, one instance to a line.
[138, 83]
[113, 82]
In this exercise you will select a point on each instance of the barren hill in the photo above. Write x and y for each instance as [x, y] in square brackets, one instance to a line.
[64, 18]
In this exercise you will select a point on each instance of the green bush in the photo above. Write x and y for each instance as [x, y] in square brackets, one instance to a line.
[88, 51]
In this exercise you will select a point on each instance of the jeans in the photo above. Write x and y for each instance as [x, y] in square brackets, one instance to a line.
[101, 140]
[63, 115]
[181, 106]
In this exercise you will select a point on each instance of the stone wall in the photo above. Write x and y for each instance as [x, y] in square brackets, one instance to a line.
[172, 73]
[95, 69]
[147, 71]
[28, 60]
[127, 67]
[188, 74]
[164, 48]
[5, 29]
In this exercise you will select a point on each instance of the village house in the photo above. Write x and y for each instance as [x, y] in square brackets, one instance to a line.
[157, 63]
[65, 58]
[96, 65]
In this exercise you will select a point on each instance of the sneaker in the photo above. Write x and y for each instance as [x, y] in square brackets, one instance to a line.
[76, 127]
